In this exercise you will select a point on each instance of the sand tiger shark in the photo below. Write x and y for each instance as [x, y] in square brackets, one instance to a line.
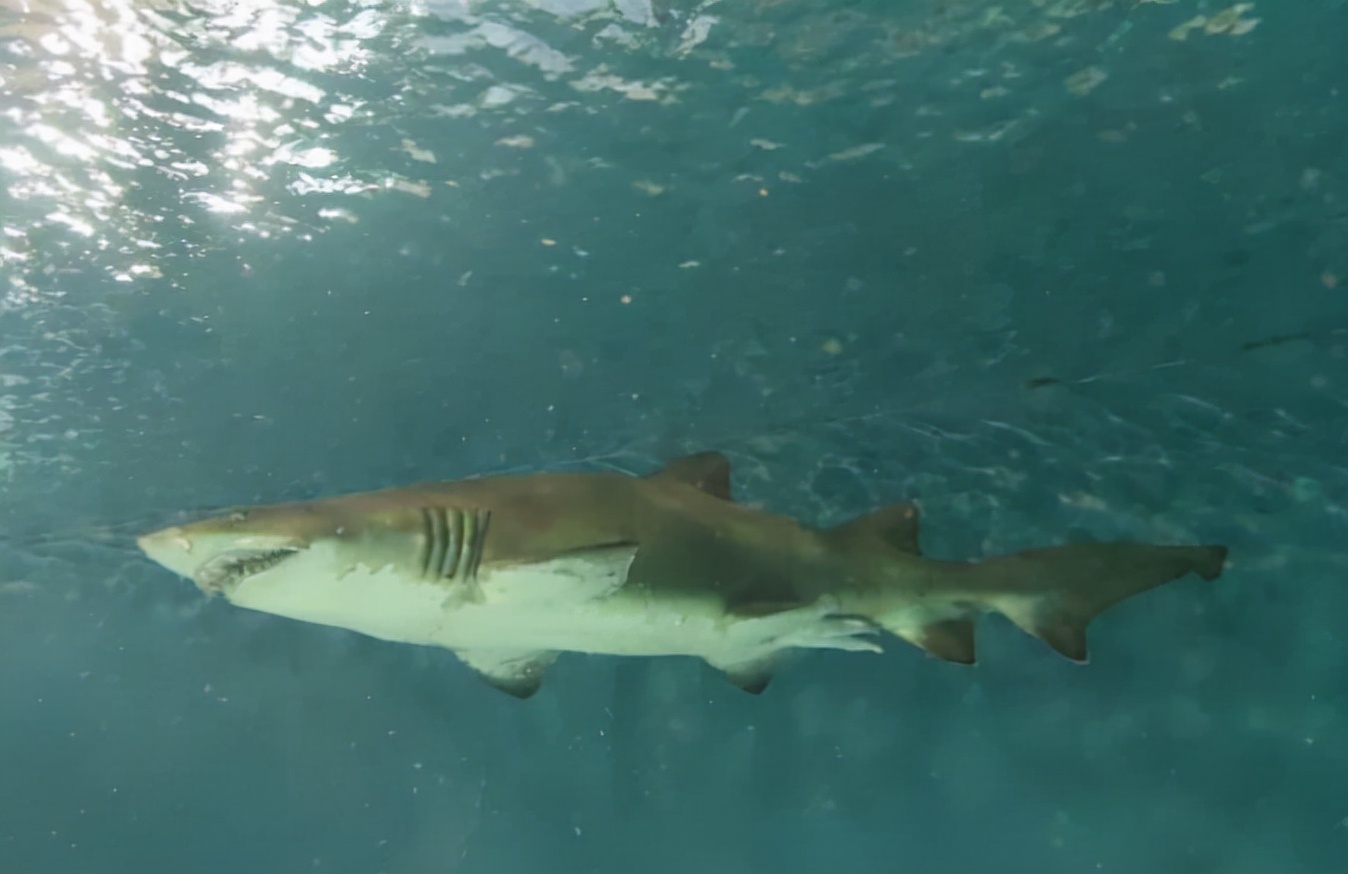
[509, 571]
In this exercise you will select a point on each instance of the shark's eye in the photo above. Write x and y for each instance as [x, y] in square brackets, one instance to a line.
[225, 570]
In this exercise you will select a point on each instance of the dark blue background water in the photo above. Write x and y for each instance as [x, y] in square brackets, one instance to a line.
[1047, 268]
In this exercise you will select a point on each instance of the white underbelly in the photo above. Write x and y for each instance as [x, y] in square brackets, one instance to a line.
[576, 604]
[618, 624]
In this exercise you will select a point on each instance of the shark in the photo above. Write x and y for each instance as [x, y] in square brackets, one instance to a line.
[510, 571]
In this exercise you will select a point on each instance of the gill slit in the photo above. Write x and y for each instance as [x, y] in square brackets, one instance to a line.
[454, 531]
[453, 542]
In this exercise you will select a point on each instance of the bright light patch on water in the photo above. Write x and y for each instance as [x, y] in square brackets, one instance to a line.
[18, 161]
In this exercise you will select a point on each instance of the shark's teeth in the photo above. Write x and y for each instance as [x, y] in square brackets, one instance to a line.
[452, 542]
[222, 571]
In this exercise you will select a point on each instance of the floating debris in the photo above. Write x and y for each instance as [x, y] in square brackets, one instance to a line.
[1041, 30]
[1230, 21]
[1083, 82]
[856, 152]
[415, 187]
[989, 135]
[1279, 340]
[416, 153]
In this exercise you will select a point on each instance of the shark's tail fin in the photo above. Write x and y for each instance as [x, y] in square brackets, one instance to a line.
[1052, 593]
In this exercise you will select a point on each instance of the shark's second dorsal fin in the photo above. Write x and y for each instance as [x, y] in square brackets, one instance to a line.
[705, 471]
[895, 525]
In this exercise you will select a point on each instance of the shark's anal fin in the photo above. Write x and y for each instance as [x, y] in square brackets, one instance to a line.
[896, 526]
[515, 672]
[948, 639]
[705, 471]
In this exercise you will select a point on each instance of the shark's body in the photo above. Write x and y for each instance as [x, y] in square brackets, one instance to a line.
[510, 571]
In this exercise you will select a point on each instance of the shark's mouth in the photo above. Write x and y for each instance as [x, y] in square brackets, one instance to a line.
[228, 569]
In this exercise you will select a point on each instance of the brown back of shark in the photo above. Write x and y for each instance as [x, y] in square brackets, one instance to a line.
[509, 571]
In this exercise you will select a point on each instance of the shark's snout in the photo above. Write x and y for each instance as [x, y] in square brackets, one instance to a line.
[218, 553]
[170, 547]
[170, 538]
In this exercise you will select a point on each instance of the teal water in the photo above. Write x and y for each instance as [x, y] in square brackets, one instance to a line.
[1056, 270]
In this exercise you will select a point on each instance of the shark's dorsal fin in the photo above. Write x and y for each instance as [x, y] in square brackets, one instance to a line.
[515, 672]
[895, 525]
[706, 471]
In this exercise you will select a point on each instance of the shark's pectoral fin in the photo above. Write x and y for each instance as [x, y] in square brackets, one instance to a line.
[895, 526]
[515, 672]
[707, 471]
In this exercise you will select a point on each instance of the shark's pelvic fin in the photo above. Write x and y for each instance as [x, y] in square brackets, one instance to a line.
[515, 672]
[752, 676]
[706, 471]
